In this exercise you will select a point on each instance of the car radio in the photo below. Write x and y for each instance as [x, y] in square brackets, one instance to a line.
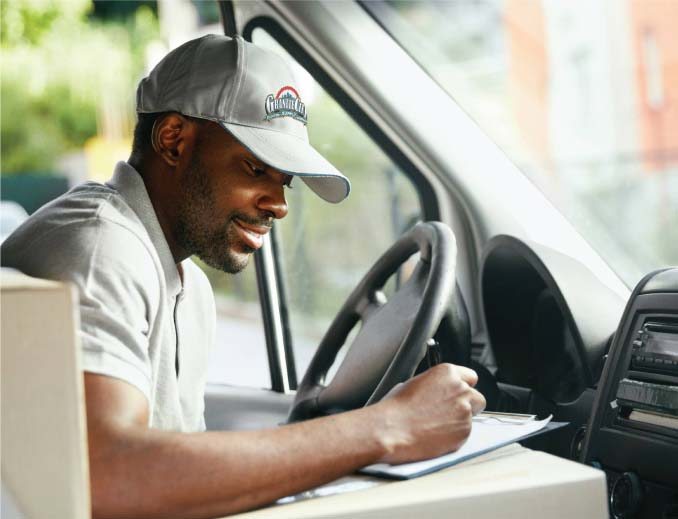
[655, 347]
[633, 430]
[654, 353]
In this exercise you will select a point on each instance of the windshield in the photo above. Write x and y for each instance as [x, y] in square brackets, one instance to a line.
[582, 96]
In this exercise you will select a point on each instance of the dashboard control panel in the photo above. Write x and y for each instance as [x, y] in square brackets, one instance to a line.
[633, 431]
[655, 347]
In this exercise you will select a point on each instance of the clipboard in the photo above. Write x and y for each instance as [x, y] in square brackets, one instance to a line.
[486, 435]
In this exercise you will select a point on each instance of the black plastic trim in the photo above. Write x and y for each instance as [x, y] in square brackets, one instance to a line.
[264, 289]
[227, 12]
[498, 252]
[288, 343]
[614, 441]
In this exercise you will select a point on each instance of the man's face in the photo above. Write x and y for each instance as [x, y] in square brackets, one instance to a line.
[229, 201]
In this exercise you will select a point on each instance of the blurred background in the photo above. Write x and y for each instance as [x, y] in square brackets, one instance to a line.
[581, 95]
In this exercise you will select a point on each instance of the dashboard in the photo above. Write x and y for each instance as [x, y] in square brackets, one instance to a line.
[563, 344]
[633, 432]
[549, 321]
[548, 318]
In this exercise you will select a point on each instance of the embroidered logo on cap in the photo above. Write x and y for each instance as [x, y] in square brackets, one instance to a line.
[286, 103]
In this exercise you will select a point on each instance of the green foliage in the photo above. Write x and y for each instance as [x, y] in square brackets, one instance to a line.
[62, 72]
[29, 22]
[31, 137]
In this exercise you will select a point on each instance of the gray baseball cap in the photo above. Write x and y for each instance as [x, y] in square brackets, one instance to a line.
[251, 92]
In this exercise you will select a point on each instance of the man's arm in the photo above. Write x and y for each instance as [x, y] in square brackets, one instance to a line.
[142, 472]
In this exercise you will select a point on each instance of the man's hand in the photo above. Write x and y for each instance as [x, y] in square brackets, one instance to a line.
[431, 414]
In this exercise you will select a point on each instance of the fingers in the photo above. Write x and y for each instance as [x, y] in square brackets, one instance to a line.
[457, 380]
[455, 372]
[477, 401]
[465, 380]
[467, 375]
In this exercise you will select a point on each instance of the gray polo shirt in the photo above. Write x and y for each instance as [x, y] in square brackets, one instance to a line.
[138, 321]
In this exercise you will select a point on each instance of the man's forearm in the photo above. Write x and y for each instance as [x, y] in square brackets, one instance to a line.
[140, 472]
[151, 473]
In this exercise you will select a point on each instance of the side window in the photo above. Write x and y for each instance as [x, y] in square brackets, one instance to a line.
[239, 356]
[326, 249]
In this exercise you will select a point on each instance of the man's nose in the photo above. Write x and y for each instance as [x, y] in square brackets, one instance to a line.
[273, 201]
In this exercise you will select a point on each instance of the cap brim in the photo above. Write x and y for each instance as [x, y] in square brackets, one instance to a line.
[293, 156]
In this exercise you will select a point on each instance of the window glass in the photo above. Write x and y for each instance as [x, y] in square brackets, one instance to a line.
[68, 82]
[239, 356]
[326, 249]
[583, 96]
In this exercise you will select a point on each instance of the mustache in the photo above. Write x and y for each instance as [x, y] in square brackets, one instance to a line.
[263, 220]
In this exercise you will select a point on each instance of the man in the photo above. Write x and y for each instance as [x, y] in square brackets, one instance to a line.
[221, 134]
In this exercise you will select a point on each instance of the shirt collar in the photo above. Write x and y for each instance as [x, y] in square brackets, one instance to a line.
[128, 182]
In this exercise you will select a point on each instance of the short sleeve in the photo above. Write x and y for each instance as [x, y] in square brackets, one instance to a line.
[118, 289]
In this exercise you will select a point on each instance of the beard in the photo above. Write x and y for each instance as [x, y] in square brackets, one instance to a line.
[202, 230]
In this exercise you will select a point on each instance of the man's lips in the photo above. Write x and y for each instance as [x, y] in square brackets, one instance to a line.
[250, 233]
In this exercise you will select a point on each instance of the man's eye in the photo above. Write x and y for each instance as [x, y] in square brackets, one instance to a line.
[288, 184]
[253, 170]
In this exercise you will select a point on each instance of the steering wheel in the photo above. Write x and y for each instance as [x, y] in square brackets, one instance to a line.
[393, 334]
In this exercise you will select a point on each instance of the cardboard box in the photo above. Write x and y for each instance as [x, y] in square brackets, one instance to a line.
[509, 483]
[44, 450]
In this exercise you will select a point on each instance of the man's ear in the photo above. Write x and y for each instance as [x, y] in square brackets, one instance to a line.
[170, 135]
